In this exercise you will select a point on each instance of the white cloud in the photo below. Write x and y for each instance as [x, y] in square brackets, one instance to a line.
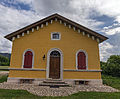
[25, 1]
[112, 31]
[79, 11]
[5, 45]
[104, 47]
[12, 20]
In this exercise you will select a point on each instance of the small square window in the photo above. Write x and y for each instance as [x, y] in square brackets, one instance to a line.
[55, 36]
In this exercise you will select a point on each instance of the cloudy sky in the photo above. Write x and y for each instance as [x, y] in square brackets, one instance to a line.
[103, 16]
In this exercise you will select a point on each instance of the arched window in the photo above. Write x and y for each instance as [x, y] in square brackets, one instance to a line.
[81, 60]
[28, 59]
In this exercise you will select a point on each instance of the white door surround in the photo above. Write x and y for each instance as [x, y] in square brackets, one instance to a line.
[61, 62]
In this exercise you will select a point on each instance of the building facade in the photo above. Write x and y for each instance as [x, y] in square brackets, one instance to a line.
[58, 48]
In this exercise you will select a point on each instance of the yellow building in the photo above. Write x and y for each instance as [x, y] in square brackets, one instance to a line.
[58, 48]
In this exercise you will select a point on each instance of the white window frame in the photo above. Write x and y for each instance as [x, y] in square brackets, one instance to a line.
[32, 58]
[55, 33]
[86, 59]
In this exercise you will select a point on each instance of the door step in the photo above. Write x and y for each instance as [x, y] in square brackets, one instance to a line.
[54, 83]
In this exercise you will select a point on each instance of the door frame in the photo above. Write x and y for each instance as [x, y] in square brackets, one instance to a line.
[48, 62]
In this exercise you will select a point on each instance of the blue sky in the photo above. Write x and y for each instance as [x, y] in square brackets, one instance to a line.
[102, 16]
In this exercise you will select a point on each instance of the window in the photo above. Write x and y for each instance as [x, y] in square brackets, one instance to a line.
[55, 36]
[81, 60]
[28, 59]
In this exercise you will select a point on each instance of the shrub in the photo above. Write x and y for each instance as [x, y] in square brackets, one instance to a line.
[112, 66]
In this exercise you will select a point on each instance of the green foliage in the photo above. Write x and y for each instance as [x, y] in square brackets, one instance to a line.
[112, 66]
[111, 81]
[4, 61]
[23, 94]
[3, 78]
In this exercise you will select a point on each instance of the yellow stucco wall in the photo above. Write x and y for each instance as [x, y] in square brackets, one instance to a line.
[66, 74]
[40, 42]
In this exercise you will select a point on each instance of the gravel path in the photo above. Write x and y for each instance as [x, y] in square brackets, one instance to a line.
[47, 91]
[4, 73]
[62, 91]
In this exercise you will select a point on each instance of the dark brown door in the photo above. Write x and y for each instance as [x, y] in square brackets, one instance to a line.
[54, 69]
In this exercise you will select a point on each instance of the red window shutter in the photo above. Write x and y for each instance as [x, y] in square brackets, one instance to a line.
[28, 59]
[81, 60]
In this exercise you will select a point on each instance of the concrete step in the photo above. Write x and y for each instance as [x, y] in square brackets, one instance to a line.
[50, 79]
[54, 85]
[55, 82]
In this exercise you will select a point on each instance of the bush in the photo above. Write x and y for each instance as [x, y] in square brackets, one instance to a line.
[112, 66]
[4, 61]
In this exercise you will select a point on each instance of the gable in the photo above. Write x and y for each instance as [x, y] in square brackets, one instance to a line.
[40, 42]
[42, 37]
[62, 20]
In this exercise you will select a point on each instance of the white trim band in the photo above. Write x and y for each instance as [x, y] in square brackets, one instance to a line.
[83, 70]
[28, 69]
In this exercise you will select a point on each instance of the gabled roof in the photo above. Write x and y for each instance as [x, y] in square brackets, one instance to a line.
[62, 19]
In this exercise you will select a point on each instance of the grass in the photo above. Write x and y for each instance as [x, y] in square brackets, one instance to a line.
[23, 94]
[3, 78]
[111, 81]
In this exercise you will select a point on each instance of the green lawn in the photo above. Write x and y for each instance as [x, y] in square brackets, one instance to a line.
[111, 81]
[19, 94]
[22, 94]
[3, 78]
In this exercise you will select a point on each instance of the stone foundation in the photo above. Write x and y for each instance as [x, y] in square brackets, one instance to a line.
[36, 81]
[90, 81]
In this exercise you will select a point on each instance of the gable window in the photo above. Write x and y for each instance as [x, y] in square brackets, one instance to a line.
[55, 36]
[28, 59]
[81, 60]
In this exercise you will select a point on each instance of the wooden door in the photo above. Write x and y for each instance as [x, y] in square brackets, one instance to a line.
[28, 59]
[54, 69]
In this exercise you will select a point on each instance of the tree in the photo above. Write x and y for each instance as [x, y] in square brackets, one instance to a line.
[4, 61]
[112, 66]
[103, 67]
